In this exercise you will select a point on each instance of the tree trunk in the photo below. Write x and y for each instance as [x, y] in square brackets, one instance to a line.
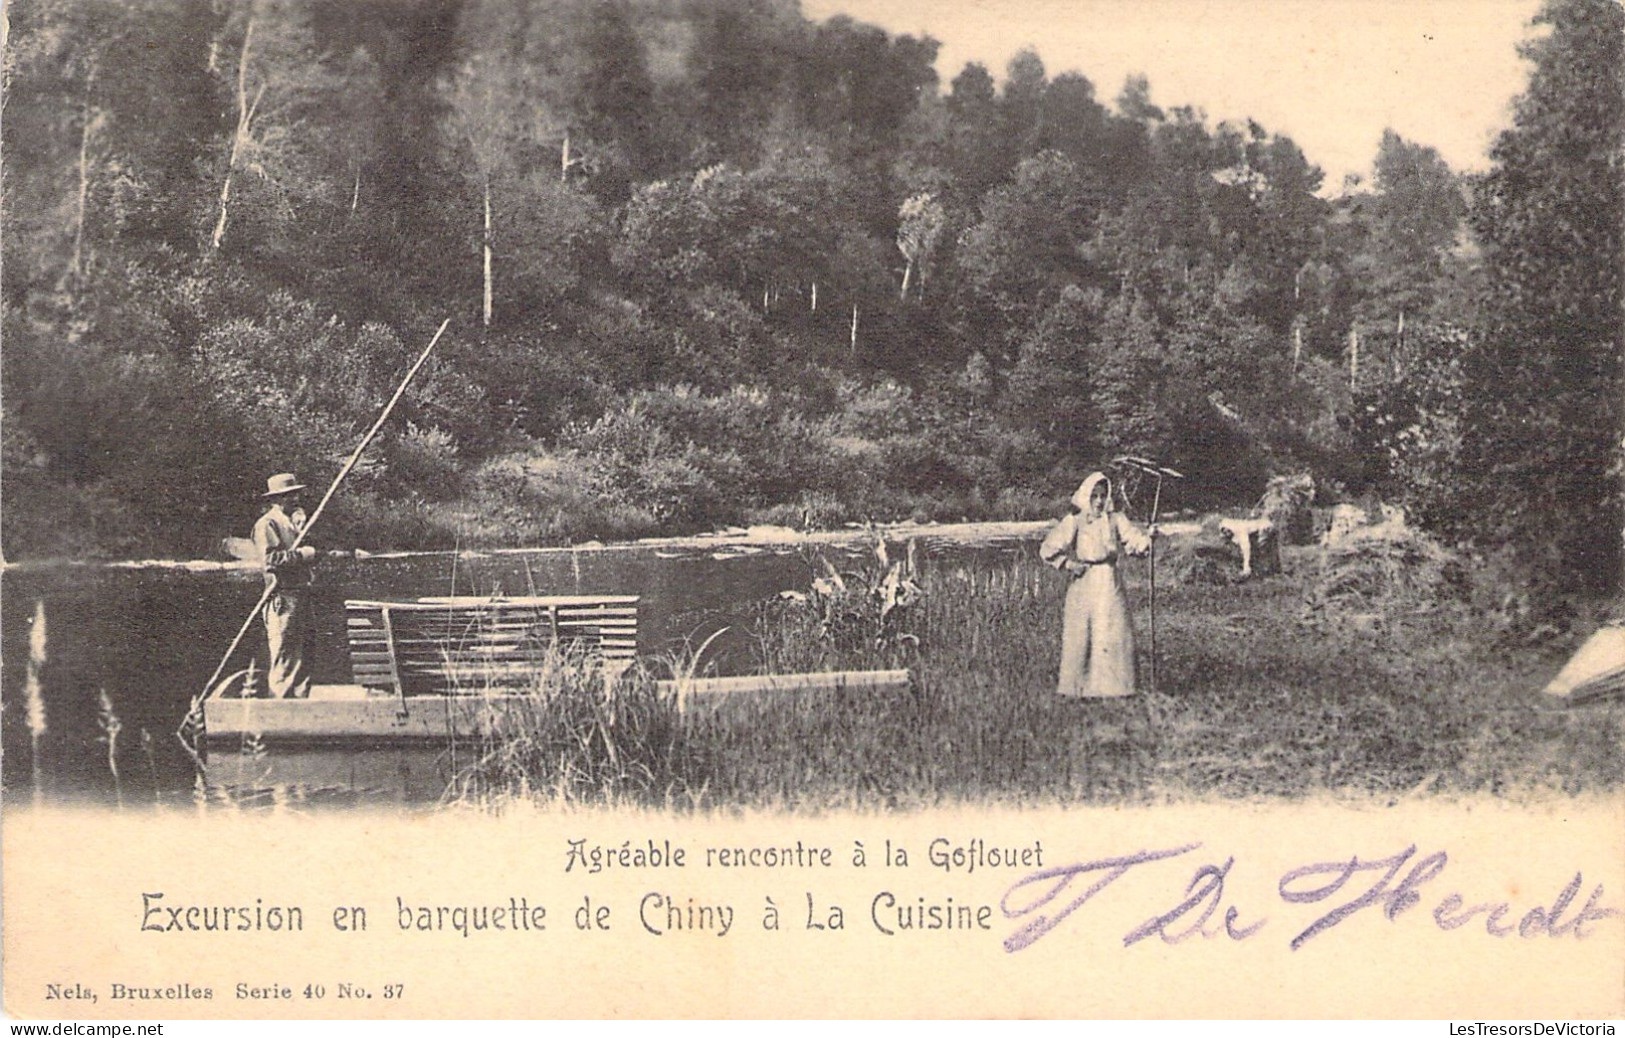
[815, 297]
[1297, 344]
[245, 118]
[564, 160]
[355, 195]
[908, 272]
[77, 267]
[487, 242]
[1354, 355]
[854, 329]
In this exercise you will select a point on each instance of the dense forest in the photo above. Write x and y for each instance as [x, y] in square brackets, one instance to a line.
[713, 262]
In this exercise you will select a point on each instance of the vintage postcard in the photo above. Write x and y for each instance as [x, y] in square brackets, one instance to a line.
[838, 509]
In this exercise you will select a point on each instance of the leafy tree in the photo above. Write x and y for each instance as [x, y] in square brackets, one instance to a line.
[279, 87]
[1409, 427]
[108, 109]
[613, 96]
[1167, 239]
[759, 233]
[1403, 243]
[504, 117]
[1051, 390]
[976, 150]
[1544, 387]
[1021, 103]
[1417, 211]
[1028, 243]
[738, 64]
[1132, 376]
[1399, 259]
[1072, 121]
[412, 46]
[859, 86]
[1134, 100]
[919, 225]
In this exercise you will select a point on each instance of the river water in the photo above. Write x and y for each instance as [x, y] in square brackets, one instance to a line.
[127, 646]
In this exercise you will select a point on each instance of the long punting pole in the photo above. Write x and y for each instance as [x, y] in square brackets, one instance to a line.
[265, 595]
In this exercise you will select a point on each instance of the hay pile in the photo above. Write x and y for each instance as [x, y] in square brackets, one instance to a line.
[1286, 503]
[1209, 557]
[1382, 572]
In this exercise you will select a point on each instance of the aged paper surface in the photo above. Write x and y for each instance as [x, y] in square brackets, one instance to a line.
[1416, 908]
[88, 931]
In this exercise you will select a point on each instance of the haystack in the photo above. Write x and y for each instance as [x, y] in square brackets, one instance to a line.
[1286, 504]
[1206, 557]
[1381, 571]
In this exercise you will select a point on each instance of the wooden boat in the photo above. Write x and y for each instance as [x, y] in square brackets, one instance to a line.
[437, 669]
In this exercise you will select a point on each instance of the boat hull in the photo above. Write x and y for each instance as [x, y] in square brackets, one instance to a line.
[351, 714]
[330, 718]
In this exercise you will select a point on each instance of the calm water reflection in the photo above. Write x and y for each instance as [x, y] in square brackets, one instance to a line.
[403, 776]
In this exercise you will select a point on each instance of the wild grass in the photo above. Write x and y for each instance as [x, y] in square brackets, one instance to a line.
[1253, 703]
[583, 733]
[107, 719]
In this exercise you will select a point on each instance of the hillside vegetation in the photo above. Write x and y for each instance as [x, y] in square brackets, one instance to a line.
[715, 262]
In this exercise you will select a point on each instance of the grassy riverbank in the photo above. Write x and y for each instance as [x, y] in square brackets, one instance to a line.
[1253, 702]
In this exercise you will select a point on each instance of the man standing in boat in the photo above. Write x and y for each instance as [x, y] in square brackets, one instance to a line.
[288, 575]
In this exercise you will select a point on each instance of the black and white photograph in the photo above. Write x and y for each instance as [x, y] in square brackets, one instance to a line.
[555, 417]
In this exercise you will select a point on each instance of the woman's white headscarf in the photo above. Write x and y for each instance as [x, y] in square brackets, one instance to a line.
[1086, 489]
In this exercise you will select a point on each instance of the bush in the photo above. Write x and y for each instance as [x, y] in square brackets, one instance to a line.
[363, 516]
[813, 510]
[690, 459]
[527, 499]
[920, 465]
[630, 459]
[874, 412]
[539, 385]
[425, 460]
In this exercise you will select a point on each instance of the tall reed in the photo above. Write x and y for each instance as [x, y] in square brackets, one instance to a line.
[34, 694]
[580, 732]
[108, 720]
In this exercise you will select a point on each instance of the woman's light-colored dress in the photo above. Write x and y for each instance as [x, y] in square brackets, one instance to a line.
[1097, 633]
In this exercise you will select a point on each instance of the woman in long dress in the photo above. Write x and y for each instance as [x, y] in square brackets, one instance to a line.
[1097, 633]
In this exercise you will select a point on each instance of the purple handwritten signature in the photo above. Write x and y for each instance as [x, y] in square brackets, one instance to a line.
[1392, 886]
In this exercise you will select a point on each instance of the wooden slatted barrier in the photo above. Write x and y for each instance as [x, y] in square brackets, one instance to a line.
[436, 645]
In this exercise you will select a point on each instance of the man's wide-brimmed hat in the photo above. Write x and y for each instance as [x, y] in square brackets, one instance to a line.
[282, 483]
